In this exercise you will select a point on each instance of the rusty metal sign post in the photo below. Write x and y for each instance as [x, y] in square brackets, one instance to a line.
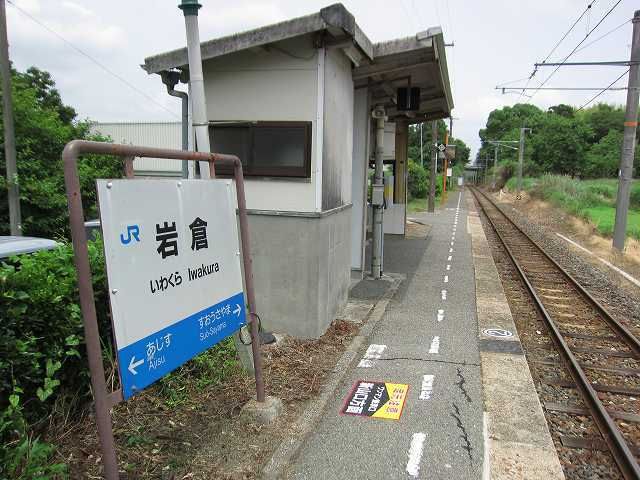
[104, 399]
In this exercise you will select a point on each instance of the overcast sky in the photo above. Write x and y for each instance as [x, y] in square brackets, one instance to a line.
[496, 41]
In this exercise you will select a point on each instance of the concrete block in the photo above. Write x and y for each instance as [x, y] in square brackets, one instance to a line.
[261, 413]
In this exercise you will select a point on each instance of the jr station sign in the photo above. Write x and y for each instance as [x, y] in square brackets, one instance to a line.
[173, 265]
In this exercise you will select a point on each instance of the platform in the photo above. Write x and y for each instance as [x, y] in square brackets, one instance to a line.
[429, 341]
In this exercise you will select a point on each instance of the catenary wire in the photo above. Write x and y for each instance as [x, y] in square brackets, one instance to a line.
[603, 36]
[535, 70]
[602, 91]
[89, 57]
[577, 46]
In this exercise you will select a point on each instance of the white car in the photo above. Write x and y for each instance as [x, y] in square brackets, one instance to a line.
[10, 245]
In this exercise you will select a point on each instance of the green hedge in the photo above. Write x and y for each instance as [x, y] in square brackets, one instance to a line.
[42, 359]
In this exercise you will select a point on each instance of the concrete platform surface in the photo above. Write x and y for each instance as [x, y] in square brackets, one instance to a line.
[465, 404]
[519, 446]
[426, 340]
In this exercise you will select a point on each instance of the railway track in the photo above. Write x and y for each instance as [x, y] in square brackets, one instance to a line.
[598, 352]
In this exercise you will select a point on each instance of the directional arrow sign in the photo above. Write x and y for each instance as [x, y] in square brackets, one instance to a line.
[238, 310]
[133, 365]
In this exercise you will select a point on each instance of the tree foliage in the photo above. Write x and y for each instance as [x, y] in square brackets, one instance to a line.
[43, 125]
[584, 144]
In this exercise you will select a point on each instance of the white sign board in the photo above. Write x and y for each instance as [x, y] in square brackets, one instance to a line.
[173, 265]
[449, 172]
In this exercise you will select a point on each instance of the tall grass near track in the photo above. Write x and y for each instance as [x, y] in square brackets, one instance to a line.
[591, 200]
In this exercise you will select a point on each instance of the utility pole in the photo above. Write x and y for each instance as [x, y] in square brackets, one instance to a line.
[629, 140]
[495, 167]
[445, 166]
[13, 190]
[421, 155]
[521, 160]
[434, 168]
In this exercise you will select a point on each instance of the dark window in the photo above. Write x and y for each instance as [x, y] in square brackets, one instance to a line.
[273, 149]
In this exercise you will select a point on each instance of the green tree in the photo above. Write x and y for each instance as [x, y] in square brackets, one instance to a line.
[563, 110]
[43, 125]
[559, 144]
[603, 158]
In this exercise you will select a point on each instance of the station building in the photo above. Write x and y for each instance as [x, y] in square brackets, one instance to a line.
[294, 102]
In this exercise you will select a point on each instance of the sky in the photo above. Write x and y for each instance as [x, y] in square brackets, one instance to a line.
[495, 42]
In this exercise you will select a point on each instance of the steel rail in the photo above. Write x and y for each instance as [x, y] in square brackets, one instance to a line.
[618, 446]
[627, 336]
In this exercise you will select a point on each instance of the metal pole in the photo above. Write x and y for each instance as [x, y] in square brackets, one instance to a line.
[248, 277]
[13, 191]
[421, 154]
[629, 140]
[495, 167]
[434, 169]
[378, 207]
[171, 79]
[520, 161]
[445, 167]
[196, 80]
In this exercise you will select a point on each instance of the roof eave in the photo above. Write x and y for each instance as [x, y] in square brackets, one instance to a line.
[332, 17]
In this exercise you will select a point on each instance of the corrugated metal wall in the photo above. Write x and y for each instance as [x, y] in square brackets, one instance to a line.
[151, 134]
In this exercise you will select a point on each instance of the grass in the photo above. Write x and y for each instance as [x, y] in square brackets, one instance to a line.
[604, 218]
[591, 200]
[416, 205]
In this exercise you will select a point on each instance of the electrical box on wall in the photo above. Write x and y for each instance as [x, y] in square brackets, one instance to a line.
[408, 98]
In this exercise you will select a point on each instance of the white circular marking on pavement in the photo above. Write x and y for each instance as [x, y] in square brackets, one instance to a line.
[497, 332]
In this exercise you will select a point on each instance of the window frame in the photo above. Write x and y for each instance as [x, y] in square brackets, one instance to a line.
[249, 170]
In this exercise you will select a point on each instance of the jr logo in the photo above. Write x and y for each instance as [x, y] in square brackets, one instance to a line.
[133, 233]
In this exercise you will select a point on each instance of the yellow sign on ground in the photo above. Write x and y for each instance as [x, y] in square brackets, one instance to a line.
[376, 399]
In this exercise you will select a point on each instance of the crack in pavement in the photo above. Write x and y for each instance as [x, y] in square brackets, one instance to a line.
[465, 436]
[461, 383]
[417, 359]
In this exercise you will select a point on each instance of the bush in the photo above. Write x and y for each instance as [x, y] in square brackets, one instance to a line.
[418, 180]
[41, 354]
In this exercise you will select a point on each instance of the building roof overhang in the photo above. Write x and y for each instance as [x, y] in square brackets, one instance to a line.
[418, 61]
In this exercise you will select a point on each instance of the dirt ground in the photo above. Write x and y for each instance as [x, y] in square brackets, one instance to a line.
[583, 233]
[202, 436]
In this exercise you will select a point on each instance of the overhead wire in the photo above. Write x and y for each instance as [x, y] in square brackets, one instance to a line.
[603, 36]
[92, 59]
[535, 70]
[576, 47]
[608, 87]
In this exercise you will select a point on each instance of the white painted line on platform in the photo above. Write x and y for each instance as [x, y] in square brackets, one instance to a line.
[449, 267]
[426, 390]
[446, 278]
[449, 258]
[451, 250]
[486, 468]
[435, 345]
[443, 293]
[607, 263]
[415, 453]
[452, 244]
[373, 353]
[440, 315]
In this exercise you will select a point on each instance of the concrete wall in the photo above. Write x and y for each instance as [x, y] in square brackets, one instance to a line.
[301, 270]
[277, 83]
[338, 130]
